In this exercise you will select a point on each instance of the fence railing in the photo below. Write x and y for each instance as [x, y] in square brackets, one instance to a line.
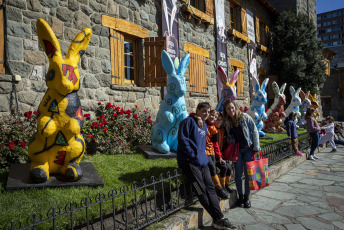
[141, 205]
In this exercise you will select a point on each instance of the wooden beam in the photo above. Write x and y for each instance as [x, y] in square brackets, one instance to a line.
[124, 26]
[196, 50]
[188, 9]
[236, 63]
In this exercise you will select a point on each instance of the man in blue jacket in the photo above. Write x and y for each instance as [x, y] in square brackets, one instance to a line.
[193, 162]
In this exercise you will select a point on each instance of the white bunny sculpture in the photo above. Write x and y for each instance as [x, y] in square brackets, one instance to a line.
[294, 104]
[257, 109]
[173, 108]
[228, 88]
[276, 112]
[306, 103]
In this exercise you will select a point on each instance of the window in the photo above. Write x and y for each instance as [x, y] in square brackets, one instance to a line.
[328, 30]
[197, 68]
[202, 10]
[235, 64]
[262, 32]
[319, 39]
[337, 43]
[237, 17]
[319, 18]
[198, 4]
[336, 36]
[2, 44]
[124, 37]
[337, 28]
[336, 14]
[325, 38]
[336, 21]
[232, 16]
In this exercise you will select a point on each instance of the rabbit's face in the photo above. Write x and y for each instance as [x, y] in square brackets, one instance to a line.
[296, 101]
[306, 104]
[281, 99]
[260, 96]
[176, 85]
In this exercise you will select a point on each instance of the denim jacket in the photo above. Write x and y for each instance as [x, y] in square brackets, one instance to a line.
[250, 132]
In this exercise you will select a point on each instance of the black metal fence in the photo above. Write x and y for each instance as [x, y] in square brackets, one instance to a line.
[140, 206]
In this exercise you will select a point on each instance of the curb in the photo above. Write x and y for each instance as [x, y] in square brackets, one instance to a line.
[195, 216]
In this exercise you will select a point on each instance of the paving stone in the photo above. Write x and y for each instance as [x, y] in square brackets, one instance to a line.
[306, 198]
[331, 216]
[321, 204]
[289, 178]
[269, 217]
[306, 166]
[276, 195]
[316, 193]
[329, 177]
[306, 186]
[314, 224]
[293, 203]
[317, 182]
[334, 189]
[294, 227]
[239, 216]
[278, 187]
[296, 211]
[259, 226]
[338, 224]
[338, 195]
[264, 203]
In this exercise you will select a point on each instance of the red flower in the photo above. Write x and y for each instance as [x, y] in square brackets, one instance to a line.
[12, 147]
[98, 118]
[125, 133]
[108, 105]
[93, 141]
[121, 128]
[145, 111]
[2, 146]
[128, 116]
[149, 117]
[29, 116]
[114, 114]
[89, 135]
[135, 106]
[88, 118]
[150, 122]
[10, 143]
[135, 116]
[118, 134]
[30, 112]
[245, 109]
[23, 144]
[99, 103]
[112, 125]
[105, 130]
[128, 143]
[25, 114]
[82, 133]
[102, 115]
[126, 125]
[35, 112]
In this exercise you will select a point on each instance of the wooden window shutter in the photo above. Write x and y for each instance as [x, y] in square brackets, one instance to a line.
[209, 7]
[267, 35]
[240, 84]
[243, 22]
[155, 74]
[2, 46]
[197, 73]
[117, 57]
[257, 30]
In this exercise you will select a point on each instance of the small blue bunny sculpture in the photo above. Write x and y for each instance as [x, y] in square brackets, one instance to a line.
[257, 109]
[173, 108]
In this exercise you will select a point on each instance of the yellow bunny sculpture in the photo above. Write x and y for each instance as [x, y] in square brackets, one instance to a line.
[57, 147]
[314, 105]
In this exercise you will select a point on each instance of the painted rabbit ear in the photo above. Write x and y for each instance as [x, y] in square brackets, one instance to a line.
[265, 84]
[292, 91]
[311, 97]
[234, 77]
[167, 63]
[307, 95]
[255, 83]
[47, 39]
[275, 88]
[283, 88]
[298, 92]
[183, 66]
[302, 96]
[79, 45]
[222, 76]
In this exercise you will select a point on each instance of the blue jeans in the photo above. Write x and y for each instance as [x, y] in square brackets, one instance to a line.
[315, 142]
[245, 155]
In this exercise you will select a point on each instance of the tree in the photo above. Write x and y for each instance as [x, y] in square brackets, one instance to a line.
[297, 54]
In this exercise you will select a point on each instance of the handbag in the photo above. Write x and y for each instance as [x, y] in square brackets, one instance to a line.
[258, 172]
[231, 152]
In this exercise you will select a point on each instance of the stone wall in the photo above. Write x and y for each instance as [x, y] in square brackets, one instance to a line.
[68, 17]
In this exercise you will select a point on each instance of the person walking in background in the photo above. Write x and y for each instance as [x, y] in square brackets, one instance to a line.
[313, 129]
[193, 162]
[292, 132]
[225, 169]
[329, 136]
[242, 128]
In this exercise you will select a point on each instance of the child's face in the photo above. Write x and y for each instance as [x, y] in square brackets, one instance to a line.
[203, 113]
[212, 117]
[294, 117]
[218, 121]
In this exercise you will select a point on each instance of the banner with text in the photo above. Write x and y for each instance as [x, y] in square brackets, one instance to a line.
[221, 53]
[252, 51]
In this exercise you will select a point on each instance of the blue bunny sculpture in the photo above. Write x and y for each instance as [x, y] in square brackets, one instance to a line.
[172, 109]
[257, 109]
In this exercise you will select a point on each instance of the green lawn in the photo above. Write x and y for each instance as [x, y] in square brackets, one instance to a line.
[278, 136]
[116, 170]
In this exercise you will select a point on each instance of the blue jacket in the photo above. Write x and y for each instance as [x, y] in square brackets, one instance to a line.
[192, 142]
[250, 132]
[291, 129]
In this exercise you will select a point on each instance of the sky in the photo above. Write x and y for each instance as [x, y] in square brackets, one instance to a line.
[329, 5]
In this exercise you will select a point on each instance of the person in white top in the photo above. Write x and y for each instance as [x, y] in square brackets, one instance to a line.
[329, 136]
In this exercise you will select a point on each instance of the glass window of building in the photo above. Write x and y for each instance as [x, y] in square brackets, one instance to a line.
[319, 18]
[319, 39]
[336, 36]
[336, 21]
[328, 30]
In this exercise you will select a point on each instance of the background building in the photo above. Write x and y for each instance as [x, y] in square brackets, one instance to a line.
[330, 27]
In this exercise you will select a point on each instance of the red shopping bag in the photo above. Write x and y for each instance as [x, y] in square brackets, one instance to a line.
[258, 172]
[231, 152]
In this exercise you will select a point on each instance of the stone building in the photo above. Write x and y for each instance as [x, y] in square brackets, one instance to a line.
[119, 24]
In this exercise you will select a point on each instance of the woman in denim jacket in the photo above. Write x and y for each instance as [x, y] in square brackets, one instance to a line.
[242, 128]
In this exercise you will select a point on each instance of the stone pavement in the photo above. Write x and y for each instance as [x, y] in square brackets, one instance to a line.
[310, 196]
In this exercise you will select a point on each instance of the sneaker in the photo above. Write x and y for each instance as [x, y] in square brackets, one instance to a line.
[321, 145]
[223, 224]
[315, 157]
[299, 153]
[222, 194]
[311, 158]
[228, 189]
[333, 150]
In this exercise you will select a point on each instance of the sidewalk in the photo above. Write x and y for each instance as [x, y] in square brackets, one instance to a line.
[310, 196]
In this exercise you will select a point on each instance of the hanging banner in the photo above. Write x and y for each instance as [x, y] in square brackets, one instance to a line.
[250, 26]
[170, 29]
[221, 53]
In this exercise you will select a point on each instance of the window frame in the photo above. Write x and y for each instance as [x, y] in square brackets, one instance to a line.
[235, 64]
[135, 59]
